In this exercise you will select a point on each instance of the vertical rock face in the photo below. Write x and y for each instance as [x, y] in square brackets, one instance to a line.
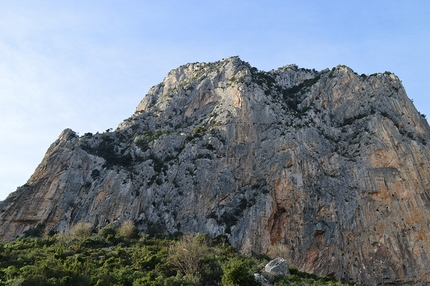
[333, 165]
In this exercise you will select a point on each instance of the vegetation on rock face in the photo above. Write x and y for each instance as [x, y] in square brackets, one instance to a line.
[120, 256]
[106, 150]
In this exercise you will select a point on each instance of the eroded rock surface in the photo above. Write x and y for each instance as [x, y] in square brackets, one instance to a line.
[331, 164]
[277, 266]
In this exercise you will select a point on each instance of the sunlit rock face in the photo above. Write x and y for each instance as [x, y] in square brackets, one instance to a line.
[330, 164]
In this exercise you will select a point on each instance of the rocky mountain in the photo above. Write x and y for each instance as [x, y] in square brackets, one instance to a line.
[331, 165]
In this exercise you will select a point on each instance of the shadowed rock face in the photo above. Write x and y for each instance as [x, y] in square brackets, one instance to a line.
[331, 164]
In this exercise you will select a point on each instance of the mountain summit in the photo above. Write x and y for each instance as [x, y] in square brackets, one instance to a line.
[332, 166]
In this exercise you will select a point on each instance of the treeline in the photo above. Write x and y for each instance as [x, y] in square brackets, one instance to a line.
[121, 256]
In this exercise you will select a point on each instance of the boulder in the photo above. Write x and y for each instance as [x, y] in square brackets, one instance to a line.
[262, 280]
[278, 266]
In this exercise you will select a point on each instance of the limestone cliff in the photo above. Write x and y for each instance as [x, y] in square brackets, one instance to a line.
[332, 164]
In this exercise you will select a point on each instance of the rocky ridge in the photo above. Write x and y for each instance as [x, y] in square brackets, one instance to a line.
[331, 164]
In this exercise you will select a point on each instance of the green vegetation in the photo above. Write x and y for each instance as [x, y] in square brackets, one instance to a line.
[199, 131]
[293, 95]
[120, 256]
[110, 151]
[142, 140]
[351, 120]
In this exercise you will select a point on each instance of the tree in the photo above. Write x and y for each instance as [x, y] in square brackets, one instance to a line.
[107, 231]
[81, 230]
[236, 273]
[278, 250]
[188, 254]
[128, 230]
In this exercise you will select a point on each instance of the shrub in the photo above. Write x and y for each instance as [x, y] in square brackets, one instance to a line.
[278, 250]
[128, 230]
[110, 151]
[97, 261]
[188, 254]
[107, 231]
[199, 131]
[237, 272]
[36, 231]
[95, 174]
[220, 240]
[81, 230]
[293, 270]
[156, 231]
[142, 143]
[180, 280]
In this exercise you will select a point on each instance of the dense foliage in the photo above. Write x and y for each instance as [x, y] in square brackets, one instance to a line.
[120, 256]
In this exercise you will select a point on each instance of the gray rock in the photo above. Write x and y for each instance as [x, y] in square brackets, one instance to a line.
[277, 266]
[262, 280]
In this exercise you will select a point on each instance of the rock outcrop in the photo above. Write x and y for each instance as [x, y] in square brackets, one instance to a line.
[331, 164]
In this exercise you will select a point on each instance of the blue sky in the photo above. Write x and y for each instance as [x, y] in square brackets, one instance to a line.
[86, 65]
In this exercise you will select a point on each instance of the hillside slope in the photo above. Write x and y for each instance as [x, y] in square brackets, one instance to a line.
[331, 164]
